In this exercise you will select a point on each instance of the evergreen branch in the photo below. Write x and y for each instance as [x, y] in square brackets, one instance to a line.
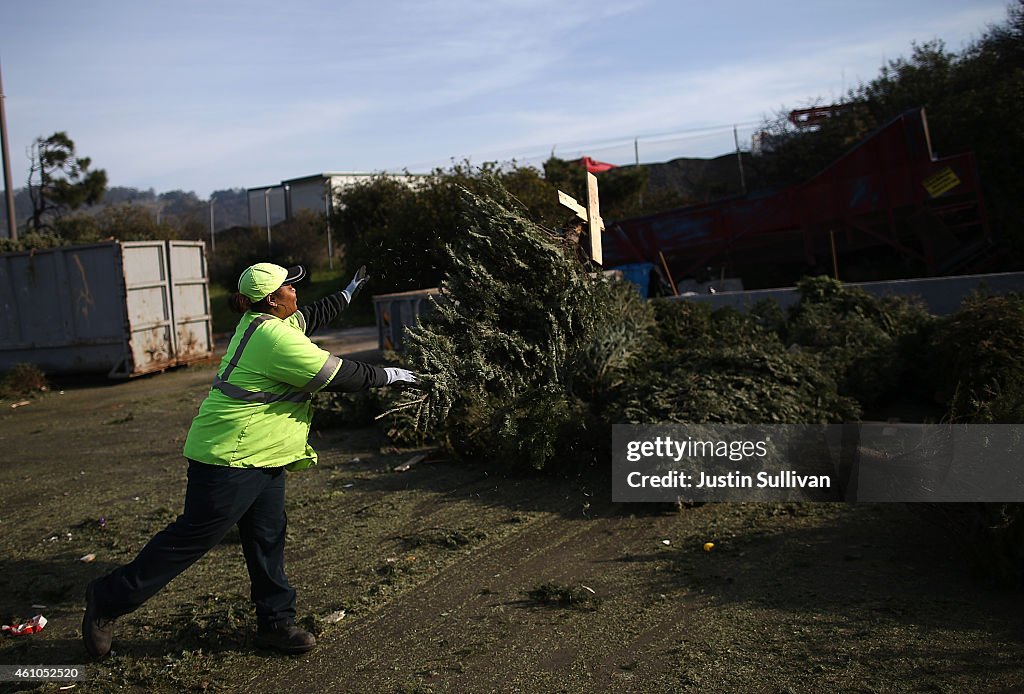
[401, 407]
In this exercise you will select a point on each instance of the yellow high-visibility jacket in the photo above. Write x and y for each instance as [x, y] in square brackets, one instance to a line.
[259, 411]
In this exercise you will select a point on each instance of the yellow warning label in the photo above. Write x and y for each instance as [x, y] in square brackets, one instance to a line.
[942, 182]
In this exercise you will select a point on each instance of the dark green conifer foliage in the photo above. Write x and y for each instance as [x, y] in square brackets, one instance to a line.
[514, 311]
[867, 343]
[723, 366]
[976, 360]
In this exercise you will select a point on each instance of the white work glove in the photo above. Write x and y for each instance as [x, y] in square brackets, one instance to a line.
[396, 375]
[358, 280]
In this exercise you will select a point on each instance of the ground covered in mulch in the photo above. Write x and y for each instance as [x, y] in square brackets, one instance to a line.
[460, 578]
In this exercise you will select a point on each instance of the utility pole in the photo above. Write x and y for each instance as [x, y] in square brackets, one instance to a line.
[213, 241]
[636, 156]
[12, 223]
[739, 160]
[266, 206]
[328, 190]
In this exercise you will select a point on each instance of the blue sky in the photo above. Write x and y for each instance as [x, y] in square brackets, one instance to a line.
[210, 95]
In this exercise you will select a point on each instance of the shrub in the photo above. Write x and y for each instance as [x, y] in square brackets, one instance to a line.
[30, 241]
[976, 358]
[402, 229]
[237, 249]
[301, 240]
[868, 343]
[722, 366]
[22, 381]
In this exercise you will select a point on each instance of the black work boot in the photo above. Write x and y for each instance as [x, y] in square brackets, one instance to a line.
[287, 638]
[97, 630]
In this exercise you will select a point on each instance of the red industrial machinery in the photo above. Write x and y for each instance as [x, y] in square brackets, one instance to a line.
[888, 198]
[810, 117]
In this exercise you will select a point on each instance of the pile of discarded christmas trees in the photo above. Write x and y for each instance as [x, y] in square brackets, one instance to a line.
[532, 353]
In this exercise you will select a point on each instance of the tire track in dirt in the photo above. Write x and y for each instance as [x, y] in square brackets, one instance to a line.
[470, 627]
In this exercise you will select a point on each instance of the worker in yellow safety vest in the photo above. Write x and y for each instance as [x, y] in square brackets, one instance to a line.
[250, 429]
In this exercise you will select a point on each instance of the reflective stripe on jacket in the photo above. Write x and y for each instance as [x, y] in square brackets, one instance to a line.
[259, 410]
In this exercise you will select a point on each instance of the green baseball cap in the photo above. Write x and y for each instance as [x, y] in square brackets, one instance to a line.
[261, 279]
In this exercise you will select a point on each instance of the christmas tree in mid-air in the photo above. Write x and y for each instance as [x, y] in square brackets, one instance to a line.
[498, 354]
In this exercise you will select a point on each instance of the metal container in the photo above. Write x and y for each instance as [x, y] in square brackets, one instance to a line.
[942, 296]
[396, 312]
[639, 274]
[120, 308]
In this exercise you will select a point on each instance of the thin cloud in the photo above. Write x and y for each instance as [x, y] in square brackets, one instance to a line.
[741, 91]
[212, 97]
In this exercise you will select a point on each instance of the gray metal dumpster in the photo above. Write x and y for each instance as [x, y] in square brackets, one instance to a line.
[120, 308]
[396, 312]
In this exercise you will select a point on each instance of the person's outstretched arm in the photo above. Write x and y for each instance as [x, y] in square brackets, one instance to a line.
[353, 376]
[322, 312]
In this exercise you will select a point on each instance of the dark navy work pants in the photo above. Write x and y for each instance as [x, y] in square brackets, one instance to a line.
[217, 497]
